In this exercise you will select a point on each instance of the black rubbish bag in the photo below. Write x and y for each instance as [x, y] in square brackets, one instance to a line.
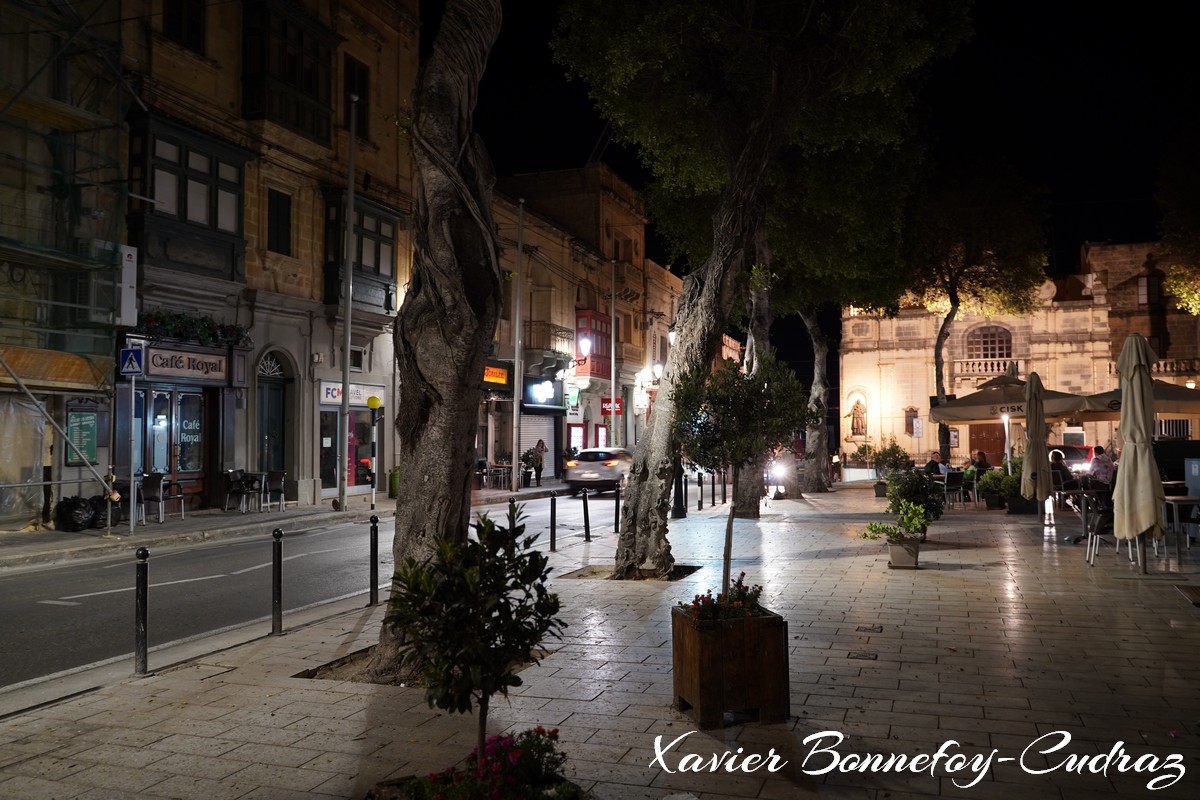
[73, 514]
[101, 506]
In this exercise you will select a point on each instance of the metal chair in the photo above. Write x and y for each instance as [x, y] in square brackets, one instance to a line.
[235, 489]
[953, 488]
[274, 485]
[160, 491]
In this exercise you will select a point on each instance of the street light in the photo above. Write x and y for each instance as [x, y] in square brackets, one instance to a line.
[374, 404]
[585, 346]
[658, 369]
[671, 334]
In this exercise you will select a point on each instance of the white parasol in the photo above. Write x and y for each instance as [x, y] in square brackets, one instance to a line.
[1035, 469]
[1138, 493]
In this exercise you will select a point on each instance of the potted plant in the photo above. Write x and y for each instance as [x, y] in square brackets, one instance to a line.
[473, 614]
[889, 460]
[903, 538]
[920, 489]
[528, 462]
[1011, 489]
[728, 653]
[991, 486]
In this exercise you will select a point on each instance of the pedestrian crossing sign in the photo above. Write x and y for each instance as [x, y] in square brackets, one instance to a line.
[131, 361]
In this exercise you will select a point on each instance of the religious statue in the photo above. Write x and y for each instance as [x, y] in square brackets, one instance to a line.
[858, 419]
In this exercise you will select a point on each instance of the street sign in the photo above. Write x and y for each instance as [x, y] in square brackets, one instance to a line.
[131, 361]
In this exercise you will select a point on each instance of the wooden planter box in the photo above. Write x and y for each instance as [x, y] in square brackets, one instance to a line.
[737, 665]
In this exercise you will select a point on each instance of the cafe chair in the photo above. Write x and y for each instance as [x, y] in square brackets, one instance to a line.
[953, 488]
[274, 487]
[235, 490]
[160, 491]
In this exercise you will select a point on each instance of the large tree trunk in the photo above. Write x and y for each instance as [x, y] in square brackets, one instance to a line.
[446, 324]
[747, 497]
[939, 371]
[815, 477]
[700, 321]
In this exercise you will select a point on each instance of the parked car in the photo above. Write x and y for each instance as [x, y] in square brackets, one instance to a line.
[1077, 457]
[598, 468]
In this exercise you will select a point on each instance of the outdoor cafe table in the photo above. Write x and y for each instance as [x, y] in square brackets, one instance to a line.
[1178, 502]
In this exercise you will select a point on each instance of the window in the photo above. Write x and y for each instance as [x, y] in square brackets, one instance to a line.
[358, 357]
[183, 22]
[910, 421]
[1149, 290]
[356, 81]
[195, 185]
[287, 60]
[279, 222]
[990, 341]
[375, 239]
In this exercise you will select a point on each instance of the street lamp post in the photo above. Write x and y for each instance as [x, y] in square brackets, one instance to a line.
[347, 302]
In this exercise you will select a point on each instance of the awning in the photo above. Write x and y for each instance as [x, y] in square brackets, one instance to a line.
[53, 370]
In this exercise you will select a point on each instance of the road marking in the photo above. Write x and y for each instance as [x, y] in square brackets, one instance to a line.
[269, 563]
[151, 586]
[58, 603]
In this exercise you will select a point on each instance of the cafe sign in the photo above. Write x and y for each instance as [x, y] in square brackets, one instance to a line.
[180, 364]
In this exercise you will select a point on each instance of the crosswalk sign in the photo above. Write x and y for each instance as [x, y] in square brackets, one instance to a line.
[131, 361]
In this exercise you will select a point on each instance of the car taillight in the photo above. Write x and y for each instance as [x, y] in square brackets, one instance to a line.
[611, 463]
[572, 463]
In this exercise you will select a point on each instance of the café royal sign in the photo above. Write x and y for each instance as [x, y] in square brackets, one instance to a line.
[180, 364]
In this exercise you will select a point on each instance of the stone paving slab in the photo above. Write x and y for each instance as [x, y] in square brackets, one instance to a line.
[1005, 637]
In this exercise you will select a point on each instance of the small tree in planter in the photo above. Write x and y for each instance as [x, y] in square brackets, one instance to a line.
[728, 652]
[920, 489]
[473, 614]
[889, 460]
[991, 486]
[903, 538]
[728, 417]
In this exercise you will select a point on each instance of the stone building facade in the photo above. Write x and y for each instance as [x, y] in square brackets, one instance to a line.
[1072, 341]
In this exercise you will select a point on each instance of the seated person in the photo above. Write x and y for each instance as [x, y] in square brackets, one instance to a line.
[981, 462]
[1102, 467]
[970, 472]
[935, 466]
[1060, 472]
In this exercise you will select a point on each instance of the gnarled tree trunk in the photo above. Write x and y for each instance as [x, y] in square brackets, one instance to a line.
[448, 318]
[700, 321]
[815, 476]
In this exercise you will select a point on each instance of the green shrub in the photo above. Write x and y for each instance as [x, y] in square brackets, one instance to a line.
[473, 614]
[917, 488]
[991, 482]
[891, 458]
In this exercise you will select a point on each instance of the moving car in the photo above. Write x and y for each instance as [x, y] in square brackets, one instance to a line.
[598, 468]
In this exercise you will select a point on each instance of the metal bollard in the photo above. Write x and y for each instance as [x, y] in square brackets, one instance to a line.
[685, 491]
[374, 561]
[724, 478]
[553, 520]
[699, 492]
[713, 493]
[587, 522]
[139, 611]
[512, 506]
[617, 509]
[277, 582]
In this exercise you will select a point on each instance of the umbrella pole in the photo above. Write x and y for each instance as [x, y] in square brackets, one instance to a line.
[1141, 551]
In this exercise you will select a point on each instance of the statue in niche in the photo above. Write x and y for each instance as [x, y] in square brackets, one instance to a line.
[858, 419]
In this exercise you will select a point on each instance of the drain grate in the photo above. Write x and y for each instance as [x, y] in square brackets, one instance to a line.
[863, 655]
[869, 629]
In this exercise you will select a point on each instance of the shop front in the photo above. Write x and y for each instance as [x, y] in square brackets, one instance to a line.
[543, 411]
[178, 418]
[361, 435]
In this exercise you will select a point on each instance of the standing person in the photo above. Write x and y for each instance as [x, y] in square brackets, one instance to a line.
[539, 451]
[1102, 467]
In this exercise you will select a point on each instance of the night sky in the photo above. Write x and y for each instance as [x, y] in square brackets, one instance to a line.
[1080, 97]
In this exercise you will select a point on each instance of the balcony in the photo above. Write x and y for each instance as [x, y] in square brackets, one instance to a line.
[982, 367]
[548, 336]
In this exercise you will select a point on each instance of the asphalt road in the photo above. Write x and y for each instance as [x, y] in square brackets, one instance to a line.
[62, 617]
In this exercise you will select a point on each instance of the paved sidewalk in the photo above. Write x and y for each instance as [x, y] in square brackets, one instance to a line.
[1004, 637]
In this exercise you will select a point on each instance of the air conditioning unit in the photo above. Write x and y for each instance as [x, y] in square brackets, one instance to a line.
[105, 296]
